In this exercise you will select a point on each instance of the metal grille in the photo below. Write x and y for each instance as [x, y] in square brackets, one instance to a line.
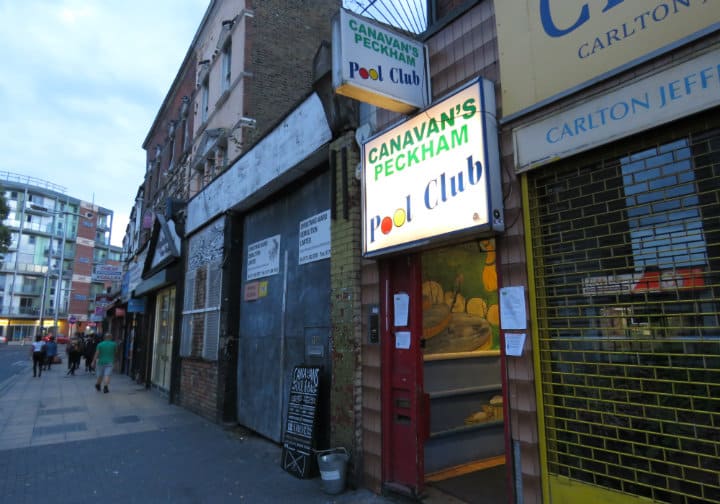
[626, 258]
[188, 301]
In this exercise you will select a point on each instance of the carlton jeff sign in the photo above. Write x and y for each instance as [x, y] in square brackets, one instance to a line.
[675, 92]
[375, 65]
[436, 174]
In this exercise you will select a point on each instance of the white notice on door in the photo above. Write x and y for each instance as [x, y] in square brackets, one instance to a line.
[402, 340]
[512, 308]
[514, 343]
[402, 304]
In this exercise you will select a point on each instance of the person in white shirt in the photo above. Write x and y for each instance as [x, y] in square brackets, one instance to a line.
[38, 355]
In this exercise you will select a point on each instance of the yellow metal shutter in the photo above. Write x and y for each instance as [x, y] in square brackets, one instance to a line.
[626, 262]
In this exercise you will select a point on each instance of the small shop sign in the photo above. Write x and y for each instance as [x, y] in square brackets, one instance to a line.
[378, 66]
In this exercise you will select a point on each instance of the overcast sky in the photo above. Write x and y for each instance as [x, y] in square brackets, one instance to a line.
[80, 84]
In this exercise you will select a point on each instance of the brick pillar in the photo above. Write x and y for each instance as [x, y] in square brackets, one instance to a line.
[345, 305]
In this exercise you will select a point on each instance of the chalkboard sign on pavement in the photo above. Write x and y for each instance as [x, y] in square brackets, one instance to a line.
[300, 428]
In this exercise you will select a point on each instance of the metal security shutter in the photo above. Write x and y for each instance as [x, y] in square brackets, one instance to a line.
[189, 299]
[212, 317]
[626, 265]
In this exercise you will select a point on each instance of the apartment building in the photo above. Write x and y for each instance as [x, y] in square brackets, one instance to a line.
[60, 263]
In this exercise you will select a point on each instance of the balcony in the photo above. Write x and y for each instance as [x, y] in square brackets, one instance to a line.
[28, 227]
[28, 290]
[32, 269]
[66, 274]
[30, 312]
[34, 209]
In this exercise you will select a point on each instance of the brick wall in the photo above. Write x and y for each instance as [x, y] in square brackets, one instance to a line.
[198, 384]
[161, 182]
[345, 307]
[282, 40]
[371, 383]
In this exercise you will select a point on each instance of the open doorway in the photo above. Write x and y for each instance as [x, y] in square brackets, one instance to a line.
[465, 447]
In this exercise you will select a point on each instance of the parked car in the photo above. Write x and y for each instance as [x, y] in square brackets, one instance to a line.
[3, 340]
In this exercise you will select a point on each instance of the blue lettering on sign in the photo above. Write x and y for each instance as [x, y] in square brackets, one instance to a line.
[632, 25]
[700, 81]
[551, 28]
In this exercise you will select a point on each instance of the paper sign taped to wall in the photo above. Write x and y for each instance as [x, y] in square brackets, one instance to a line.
[512, 308]
[402, 340]
[514, 343]
[401, 305]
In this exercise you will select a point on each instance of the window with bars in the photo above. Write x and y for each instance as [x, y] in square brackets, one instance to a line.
[200, 334]
[626, 261]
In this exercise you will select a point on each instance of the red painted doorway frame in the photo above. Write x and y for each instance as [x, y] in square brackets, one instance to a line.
[405, 422]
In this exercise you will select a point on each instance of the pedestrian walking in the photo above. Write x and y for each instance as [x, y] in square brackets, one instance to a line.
[89, 353]
[50, 352]
[38, 355]
[103, 361]
[74, 356]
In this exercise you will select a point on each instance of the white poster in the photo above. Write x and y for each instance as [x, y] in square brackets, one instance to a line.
[401, 304]
[514, 344]
[512, 308]
[314, 238]
[402, 340]
[263, 258]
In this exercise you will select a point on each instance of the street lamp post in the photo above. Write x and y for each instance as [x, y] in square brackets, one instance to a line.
[47, 271]
[58, 284]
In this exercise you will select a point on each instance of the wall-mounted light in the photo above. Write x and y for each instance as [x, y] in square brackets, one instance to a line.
[245, 122]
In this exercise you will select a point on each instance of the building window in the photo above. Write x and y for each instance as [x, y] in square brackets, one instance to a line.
[184, 109]
[209, 172]
[197, 180]
[200, 334]
[171, 146]
[226, 66]
[205, 100]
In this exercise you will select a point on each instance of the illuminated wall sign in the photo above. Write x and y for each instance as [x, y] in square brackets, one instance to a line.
[434, 175]
[676, 92]
[550, 47]
[376, 65]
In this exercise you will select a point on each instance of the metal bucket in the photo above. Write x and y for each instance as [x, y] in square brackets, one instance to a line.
[333, 469]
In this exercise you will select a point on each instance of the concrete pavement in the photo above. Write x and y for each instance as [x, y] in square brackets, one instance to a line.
[61, 441]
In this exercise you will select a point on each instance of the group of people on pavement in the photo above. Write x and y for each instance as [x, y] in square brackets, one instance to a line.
[77, 349]
[44, 354]
[99, 356]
